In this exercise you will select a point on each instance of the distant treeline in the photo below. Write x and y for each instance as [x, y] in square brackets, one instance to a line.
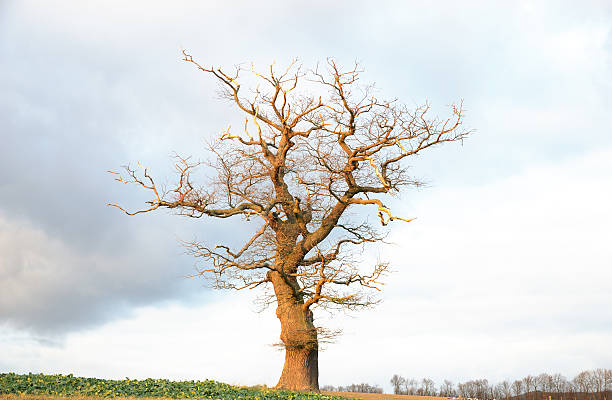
[588, 385]
[355, 388]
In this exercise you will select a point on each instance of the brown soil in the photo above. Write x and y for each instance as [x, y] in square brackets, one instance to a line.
[378, 396]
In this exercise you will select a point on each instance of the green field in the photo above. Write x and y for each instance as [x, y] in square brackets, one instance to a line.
[72, 386]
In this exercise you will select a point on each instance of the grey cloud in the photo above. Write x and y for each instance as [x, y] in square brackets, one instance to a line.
[86, 90]
[52, 287]
[72, 112]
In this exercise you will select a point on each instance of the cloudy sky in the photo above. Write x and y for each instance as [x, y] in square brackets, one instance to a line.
[505, 272]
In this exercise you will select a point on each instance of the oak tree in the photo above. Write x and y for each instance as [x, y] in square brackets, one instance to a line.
[314, 144]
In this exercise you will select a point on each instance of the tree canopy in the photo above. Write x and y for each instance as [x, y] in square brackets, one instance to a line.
[314, 144]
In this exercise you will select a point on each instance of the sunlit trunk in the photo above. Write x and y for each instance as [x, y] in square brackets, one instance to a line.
[301, 370]
[299, 337]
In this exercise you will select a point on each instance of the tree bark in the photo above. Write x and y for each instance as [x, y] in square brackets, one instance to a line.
[301, 370]
[299, 337]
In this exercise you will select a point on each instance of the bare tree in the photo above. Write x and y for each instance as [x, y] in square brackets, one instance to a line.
[505, 389]
[544, 383]
[478, 388]
[314, 145]
[607, 381]
[483, 389]
[599, 382]
[463, 390]
[411, 386]
[428, 387]
[518, 387]
[447, 389]
[530, 386]
[589, 384]
[360, 388]
[355, 388]
[559, 383]
[398, 383]
[498, 391]
[583, 381]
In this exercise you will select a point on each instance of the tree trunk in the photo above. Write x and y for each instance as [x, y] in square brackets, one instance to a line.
[299, 337]
[301, 370]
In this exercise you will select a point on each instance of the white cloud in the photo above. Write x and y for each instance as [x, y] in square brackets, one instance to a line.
[494, 281]
[222, 340]
[499, 275]
[497, 280]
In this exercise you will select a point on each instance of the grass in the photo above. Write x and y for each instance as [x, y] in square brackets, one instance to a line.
[41, 386]
[50, 397]
[68, 387]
